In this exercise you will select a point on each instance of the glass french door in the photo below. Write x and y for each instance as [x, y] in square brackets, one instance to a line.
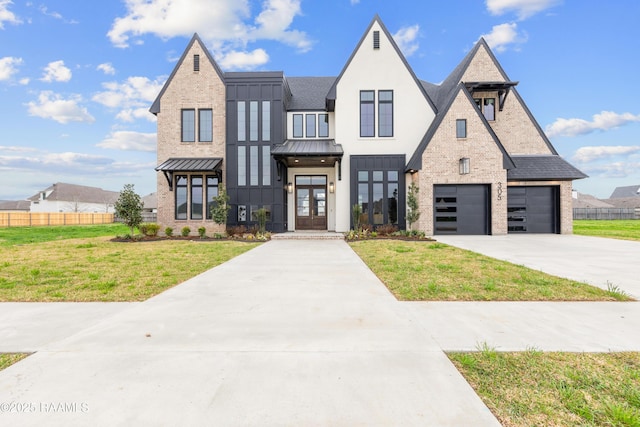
[311, 202]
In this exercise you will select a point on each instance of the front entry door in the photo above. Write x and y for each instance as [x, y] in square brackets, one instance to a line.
[311, 202]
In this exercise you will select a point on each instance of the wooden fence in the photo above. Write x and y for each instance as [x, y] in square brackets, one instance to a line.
[32, 219]
[606, 213]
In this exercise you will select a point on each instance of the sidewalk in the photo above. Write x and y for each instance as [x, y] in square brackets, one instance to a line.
[289, 333]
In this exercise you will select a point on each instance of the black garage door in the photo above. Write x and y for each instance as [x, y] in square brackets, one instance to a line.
[533, 209]
[461, 209]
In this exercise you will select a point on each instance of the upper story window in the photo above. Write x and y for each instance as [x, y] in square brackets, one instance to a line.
[311, 125]
[242, 121]
[266, 120]
[254, 121]
[487, 106]
[385, 113]
[367, 113]
[205, 125]
[461, 128]
[189, 125]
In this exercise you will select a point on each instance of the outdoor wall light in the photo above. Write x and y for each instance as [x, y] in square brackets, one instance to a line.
[290, 187]
[332, 187]
[465, 165]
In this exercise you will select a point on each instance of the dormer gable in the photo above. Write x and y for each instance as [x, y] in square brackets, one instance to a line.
[196, 58]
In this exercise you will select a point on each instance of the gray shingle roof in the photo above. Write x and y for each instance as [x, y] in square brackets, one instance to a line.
[309, 93]
[542, 167]
[625, 202]
[15, 205]
[628, 191]
[61, 191]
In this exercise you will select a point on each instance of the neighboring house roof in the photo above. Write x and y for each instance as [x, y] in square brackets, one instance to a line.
[624, 202]
[628, 191]
[15, 205]
[308, 93]
[589, 201]
[150, 201]
[415, 163]
[542, 167]
[331, 95]
[155, 107]
[63, 192]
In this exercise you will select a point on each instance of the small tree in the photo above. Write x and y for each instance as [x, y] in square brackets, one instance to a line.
[128, 207]
[356, 214]
[221, 206]
[413, 212]
[261, 217]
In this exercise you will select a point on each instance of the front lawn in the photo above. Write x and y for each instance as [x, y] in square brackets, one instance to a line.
[25, 235]
[8, 359]
[97, 269]
[617, 229]
[432, 271]
[533, 388]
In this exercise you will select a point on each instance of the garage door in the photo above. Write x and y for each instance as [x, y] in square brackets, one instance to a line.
[533, 209]
[461, 209]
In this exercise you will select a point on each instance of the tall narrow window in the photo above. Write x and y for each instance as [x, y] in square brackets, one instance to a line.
[196, 62]
[367, 119]
[242, 165]
[212, 191]
[188, 125]
[266, 165]
[266, 120]
[363, 195]
[242, 121]
[385, 113]
[489, 108]
[205, 125]
[181, 197]
[323, 125]
[196, 197]
[311, 125]
[461, 128]
[297, 126]
[253, 165]
[376, 39]
[253, 120]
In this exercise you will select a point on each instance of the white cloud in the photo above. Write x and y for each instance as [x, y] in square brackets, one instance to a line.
[226, 25]
[522, 8]
[130, 141]
[503, 35]
[6, 15]
[132, 97]
[604, 121]
[56, 72]
[52, 162]
[52, 106]
[355, 1]
[613, 169]
[8, 67]
[406, 37]
[244, 60]
[106, 68]
[590, 154]
[18, 149]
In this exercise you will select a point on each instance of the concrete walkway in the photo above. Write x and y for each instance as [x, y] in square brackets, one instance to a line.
[300, 332]
[290, 333]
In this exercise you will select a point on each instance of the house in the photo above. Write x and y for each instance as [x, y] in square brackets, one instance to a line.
[586, 201]
[15, 205]
[62, 197]
[628, 191]
[308, 149]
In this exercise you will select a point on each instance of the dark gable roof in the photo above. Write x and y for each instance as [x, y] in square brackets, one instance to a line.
[415, 163]
[308, 93]
[331, 94]
[542, 167]
[628, 191]
[155, 107]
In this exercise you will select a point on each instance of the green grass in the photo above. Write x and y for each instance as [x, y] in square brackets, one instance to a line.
[533, 388]
[617, 229]
[96, 269]
[432, 271]
[8, 359]
[25, 235]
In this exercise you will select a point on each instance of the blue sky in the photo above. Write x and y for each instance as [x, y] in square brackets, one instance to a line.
[77, 77]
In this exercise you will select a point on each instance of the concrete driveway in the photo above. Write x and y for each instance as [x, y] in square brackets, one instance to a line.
[593, 260]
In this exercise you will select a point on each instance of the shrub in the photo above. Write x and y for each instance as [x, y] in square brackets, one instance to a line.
[149, 229]
[218, 236]
[185, 231]
[237, 230]
[253, 230]
[168, 231]
[202, 232]
[261, 216]
[386, 229]
[366, 228]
